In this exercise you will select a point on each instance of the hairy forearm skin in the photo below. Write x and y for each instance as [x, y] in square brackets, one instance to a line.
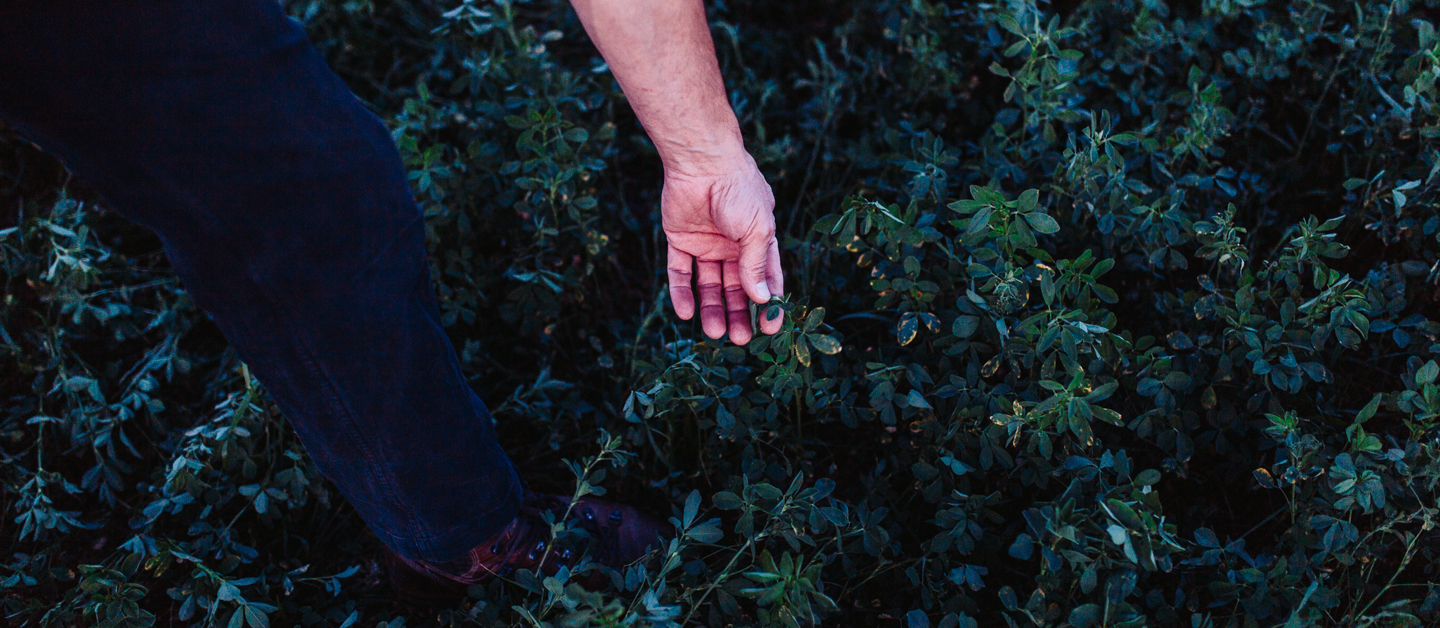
[661, 53]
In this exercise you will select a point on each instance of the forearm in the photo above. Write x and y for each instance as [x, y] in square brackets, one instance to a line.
[661, 53]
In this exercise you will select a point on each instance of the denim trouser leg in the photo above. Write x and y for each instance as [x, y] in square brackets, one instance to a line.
[283, 206]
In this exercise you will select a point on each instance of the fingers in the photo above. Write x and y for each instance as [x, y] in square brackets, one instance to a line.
[737, 307]
[775, 280]
[724, 301]
[753, 253]
[712, 305]
[682, 297]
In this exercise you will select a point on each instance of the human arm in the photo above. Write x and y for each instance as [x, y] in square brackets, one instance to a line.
[717, 209]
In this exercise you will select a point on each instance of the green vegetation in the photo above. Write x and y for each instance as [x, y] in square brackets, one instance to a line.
[1113, 313]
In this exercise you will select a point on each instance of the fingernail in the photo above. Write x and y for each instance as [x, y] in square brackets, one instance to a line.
[762, 290]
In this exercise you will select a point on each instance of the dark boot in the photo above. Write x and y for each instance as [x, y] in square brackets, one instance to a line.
[618, 535]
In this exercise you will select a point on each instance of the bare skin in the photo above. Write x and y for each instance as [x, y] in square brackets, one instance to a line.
[717, 209]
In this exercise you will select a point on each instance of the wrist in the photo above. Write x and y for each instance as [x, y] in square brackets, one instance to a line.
[708, 156]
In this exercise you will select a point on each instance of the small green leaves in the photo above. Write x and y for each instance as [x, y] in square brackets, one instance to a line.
[1056, 309]
[1011, 223]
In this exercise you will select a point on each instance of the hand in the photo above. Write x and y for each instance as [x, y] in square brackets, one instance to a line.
[725, 225]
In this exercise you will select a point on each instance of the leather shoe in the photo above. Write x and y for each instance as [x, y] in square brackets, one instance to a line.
[618, 535]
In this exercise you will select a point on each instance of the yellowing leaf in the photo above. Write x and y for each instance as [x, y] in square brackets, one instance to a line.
[824, 344]
[908, 328]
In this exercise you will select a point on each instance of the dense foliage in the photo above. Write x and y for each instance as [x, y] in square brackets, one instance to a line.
[1112, 313]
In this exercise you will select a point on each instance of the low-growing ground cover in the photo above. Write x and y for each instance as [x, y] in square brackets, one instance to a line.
[1103, 313]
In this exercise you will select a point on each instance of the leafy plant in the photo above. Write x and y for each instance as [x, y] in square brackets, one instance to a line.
[1100, 314]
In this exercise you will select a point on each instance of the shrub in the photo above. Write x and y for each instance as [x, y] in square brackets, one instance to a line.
[1101, 313]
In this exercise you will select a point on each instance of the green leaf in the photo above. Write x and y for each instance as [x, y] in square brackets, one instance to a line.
[724, 418]
[917, 619]
[924, 471]
[1084, 616]
[916, 400]
[1023, 547]
[725, 500]
[828, 224]
[979, 222]
[227, 592]
[255, 618]
[1104, 293]
[1370, 408]
[1427, 374]
[1101, 267]
[692, 507]
[1102, 392]
[1041, 223]
[1149, 386]
[1008, 23]
[707, 532]
[1368, 442]
[1028, 200]
[965, 326]
[772, 311]
[1349, 339]
[1124, 514]
[1175, 380]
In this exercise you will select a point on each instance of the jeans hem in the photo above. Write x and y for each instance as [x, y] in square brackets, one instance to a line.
[464, 537]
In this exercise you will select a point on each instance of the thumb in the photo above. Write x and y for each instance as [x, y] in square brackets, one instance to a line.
[754, 253]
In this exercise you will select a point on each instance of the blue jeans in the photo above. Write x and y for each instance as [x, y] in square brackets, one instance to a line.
[284, 208]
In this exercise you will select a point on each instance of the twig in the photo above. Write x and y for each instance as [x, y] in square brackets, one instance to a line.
[1310, 123]
[809, 169]
[1263, 522]
[1404, 562]
[1386, 95]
